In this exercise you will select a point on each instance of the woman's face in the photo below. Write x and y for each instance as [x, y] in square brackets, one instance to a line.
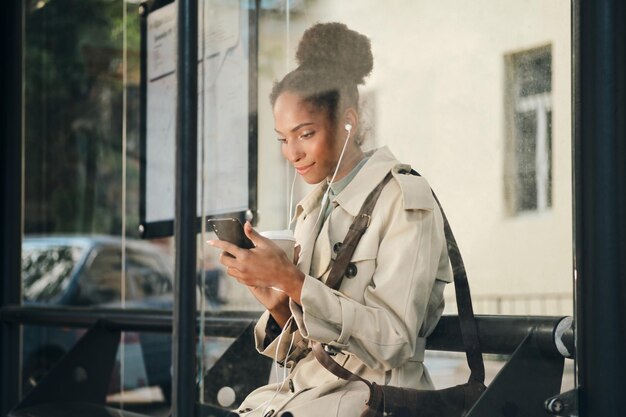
[308, 139]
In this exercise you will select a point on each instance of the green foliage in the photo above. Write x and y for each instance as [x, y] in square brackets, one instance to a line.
[73, 116]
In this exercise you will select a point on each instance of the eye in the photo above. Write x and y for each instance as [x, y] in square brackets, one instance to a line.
[281, 140]
[306, 134]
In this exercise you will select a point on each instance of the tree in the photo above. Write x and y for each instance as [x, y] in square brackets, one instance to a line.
[74, 113]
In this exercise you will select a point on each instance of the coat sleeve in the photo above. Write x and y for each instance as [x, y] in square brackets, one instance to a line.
[403, 300]
[287, 345]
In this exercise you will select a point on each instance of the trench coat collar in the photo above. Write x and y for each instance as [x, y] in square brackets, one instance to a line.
[351, 198]
[379, 164]
[311, 201]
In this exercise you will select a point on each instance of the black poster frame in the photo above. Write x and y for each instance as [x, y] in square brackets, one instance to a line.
[165, 228]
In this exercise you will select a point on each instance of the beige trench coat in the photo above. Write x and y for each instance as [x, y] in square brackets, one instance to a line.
[379, 318]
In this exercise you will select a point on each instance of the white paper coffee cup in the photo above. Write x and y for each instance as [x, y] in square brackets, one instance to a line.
[283, 238]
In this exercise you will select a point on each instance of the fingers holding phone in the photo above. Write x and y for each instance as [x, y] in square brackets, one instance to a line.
[266, 264]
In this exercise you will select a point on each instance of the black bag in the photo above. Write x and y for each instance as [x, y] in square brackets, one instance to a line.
[455, 401]
[407, 402]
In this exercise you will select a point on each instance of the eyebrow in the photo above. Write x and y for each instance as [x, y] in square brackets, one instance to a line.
[301, 125]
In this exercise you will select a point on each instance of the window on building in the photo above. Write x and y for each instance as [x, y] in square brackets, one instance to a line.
[528, 107]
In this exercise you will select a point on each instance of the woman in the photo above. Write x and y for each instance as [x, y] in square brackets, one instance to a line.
[392, 295]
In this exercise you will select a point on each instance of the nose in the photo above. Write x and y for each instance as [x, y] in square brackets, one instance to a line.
[292, 151]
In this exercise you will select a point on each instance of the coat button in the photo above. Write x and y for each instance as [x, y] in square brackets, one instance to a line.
[351, 270]
[291, 387]
[336, 247]
[269, 413]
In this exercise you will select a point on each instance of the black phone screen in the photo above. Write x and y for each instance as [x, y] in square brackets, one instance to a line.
[231, 230]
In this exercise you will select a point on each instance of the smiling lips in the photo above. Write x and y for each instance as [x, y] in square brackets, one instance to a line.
[303, 170]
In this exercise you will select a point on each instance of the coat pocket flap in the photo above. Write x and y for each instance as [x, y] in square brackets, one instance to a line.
[416, 192]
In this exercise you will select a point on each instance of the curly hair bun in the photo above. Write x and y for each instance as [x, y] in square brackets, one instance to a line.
[335, 48]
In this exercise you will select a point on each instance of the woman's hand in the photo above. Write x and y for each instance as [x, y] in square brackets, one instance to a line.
[265, 269]
[275, 301]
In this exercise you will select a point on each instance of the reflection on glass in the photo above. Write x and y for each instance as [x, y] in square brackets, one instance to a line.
[528, 176]
[478, 99]
[436, 95]
[81, 186]
[75, 117]
[86, 271]
[141, 373]
[147, 275]
[47, 270]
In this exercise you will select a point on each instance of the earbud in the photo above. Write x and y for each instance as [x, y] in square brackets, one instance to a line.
[348, 127]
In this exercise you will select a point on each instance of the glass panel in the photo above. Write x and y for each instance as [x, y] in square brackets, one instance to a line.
[478, 100]
[226, 149]
[534, 74]
[438, 97]
[528, 169]
[47, 270]
[141, 376]
[73, 120]
[81, 246]
[526, 127]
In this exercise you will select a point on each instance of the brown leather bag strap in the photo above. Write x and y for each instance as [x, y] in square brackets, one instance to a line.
[327, 362]
[467, 321]
[357, 228]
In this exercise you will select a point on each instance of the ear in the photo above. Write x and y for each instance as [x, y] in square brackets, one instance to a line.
[352, 117]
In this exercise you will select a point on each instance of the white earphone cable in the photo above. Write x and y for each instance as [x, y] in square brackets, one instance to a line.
[279, 386]
[290, 213]
[343, 150]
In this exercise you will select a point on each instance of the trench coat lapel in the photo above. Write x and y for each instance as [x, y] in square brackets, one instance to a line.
[353, 196]
[309, 229]
[322, 250]
[350, 199]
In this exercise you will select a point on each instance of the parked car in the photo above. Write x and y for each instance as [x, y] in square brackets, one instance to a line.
[87, 271]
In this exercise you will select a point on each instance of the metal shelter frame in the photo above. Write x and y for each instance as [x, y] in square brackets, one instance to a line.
[599, 186]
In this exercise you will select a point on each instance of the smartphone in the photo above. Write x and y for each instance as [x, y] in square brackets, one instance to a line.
[231, 230]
